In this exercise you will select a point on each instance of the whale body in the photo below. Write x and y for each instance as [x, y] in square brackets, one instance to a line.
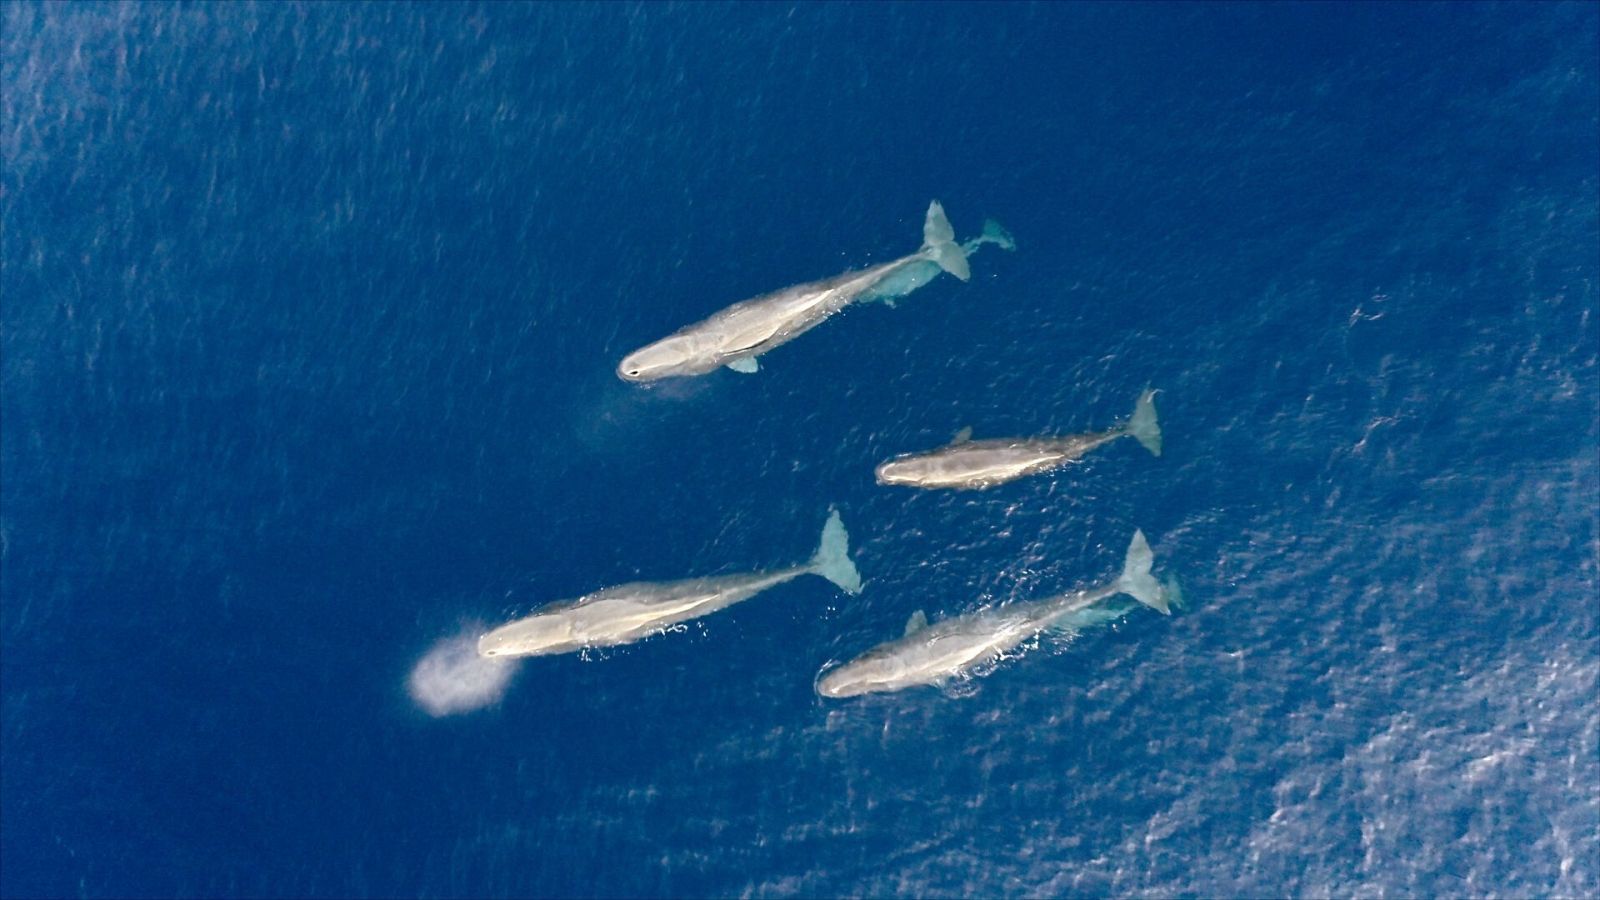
[933, 654]
[968, 464]
[631, 612]
[737, 335]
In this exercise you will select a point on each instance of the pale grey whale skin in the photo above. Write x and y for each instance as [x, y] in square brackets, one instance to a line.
[631, 612]
[933, 654]
[905, 280]
[969, 464]
[737, 335]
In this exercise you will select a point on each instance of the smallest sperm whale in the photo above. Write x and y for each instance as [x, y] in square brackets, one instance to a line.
[632, 612]
[968, 464]
[934, 654]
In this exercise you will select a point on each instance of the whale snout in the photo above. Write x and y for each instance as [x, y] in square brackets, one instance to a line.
[893, 472]
[828, 681]
[667, 358]
[838, 683]
[631, 369]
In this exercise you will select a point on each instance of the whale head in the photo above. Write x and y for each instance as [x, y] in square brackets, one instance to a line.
[527, 637]
[903, 470]
[665, 358]
[873, 672]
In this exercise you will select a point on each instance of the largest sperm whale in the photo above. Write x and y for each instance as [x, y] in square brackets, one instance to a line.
[737, 335]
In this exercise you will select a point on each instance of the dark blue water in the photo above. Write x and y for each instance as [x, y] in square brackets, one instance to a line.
[309, 319]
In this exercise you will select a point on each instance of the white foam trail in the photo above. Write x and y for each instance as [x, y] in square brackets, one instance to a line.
[452, 678]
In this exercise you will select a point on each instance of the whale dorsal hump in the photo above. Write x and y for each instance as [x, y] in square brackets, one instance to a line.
[962, 436]
[917, 622]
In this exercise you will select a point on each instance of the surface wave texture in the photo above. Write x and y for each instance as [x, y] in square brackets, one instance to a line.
[310, 315]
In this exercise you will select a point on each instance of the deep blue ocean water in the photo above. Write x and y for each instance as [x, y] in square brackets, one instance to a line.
[308, 321]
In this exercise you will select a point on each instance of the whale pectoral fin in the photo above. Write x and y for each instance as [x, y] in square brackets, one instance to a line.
[746, 365]
[917, 622]
[962, 436]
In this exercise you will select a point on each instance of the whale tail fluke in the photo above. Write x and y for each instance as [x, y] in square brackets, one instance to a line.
[833, 556]
[1138, 583]
[1143, 425]
[939, 241]
[994, 234]
[1174, 592]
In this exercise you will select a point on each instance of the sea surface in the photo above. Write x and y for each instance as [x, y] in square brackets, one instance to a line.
[309, 315]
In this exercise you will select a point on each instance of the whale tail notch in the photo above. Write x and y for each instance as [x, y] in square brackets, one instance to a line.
[832, 560]
[1143, 425]
[1138, 583]
[939, 242]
